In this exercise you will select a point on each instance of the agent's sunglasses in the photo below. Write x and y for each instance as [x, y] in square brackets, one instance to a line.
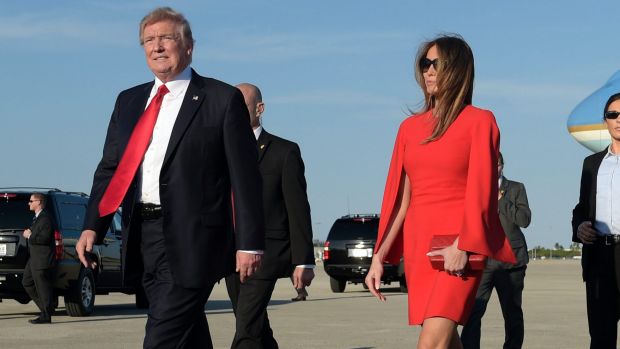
[426, 63]
[612, 115]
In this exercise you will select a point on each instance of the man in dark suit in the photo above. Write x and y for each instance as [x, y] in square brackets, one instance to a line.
[39, 271]
[595, 225]
[288, 232]
[183, 169]
[507, 279]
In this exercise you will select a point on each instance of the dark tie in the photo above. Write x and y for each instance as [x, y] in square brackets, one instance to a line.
[132, 157]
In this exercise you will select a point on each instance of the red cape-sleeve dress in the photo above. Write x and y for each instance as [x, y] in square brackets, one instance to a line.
[453, 184]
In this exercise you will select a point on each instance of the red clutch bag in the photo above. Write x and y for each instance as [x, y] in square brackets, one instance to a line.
[438, 242]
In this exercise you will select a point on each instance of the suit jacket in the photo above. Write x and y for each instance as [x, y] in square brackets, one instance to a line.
[41, 244]
[585, 210]
[288, 228]
[211, 155]
[514, 214]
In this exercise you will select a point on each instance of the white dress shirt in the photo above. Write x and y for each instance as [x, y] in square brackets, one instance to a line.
[257, 131]
[608, 195]
[154, 157]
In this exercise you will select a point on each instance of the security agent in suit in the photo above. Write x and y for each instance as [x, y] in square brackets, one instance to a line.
[39, 271]
[595, 224]
[288, 232]
[178, 209]
[507, 279]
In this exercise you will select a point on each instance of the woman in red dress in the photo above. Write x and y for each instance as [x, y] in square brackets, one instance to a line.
[442, 181]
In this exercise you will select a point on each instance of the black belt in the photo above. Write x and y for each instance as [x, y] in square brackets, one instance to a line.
[150, 211]
[609, 240]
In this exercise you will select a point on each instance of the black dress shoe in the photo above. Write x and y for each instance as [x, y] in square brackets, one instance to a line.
[299, 298]
[41, 320]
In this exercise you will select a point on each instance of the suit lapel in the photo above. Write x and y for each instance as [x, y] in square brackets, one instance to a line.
[138, 104]
[598, 159]
[34, 221]
[135, 109]
[504, 186]
[194, 97]
[263, 144]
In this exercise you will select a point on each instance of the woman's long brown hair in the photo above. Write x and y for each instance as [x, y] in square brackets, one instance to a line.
[455, 81]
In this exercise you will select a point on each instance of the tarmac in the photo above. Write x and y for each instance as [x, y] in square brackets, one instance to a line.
[554, 310]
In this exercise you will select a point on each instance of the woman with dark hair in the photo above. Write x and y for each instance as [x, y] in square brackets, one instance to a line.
[442, 181]
[595, 224]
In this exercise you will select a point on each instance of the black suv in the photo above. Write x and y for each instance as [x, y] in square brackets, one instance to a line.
[348, 252]
[77, 284]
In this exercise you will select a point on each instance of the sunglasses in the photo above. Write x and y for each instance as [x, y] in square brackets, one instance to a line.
[612, 115]
[426, 63]
[31, 201]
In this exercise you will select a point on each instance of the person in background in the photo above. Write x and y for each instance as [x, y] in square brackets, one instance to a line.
[288, 231]
[442, 180]
[595, 224]
[507, 279]
[182, 169]
[39, 271]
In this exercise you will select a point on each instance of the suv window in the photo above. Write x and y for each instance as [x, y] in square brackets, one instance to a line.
[14, 213]
[72, 215]
[117, 224]
[351, 229]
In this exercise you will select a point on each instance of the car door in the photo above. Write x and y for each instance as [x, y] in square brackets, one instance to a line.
[110, 252]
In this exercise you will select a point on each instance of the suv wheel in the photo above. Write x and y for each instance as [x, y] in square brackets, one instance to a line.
[80, 301]
[336, 285]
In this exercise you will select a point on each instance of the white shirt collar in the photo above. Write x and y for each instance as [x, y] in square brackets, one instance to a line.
[257, 131]
[609, 153]
[178, 84]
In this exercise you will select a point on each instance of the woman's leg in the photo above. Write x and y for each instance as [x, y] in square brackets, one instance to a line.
[439, 333]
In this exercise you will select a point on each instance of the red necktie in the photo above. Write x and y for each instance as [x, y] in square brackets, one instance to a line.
[132, 157]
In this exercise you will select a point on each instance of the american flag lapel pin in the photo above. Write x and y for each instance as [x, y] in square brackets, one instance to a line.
[195, 98]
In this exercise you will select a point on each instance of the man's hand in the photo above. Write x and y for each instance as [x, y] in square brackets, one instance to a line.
[247, 264]
[302, 277]
[586, 233]
[27, 233]
[84, 247]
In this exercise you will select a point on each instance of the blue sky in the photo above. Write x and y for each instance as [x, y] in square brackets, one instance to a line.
[336, 77]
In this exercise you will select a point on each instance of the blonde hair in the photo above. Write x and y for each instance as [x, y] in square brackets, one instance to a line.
[455, 80]
[168, 14]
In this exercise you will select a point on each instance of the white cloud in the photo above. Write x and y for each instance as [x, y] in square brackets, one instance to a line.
[61, 31]
[285, 46]
[337, 97]
[531, 91]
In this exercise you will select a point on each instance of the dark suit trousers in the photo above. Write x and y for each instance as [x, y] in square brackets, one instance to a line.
[38, 285]
[249, 301]
[509, 285]
[602, 298]
[176, 317]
